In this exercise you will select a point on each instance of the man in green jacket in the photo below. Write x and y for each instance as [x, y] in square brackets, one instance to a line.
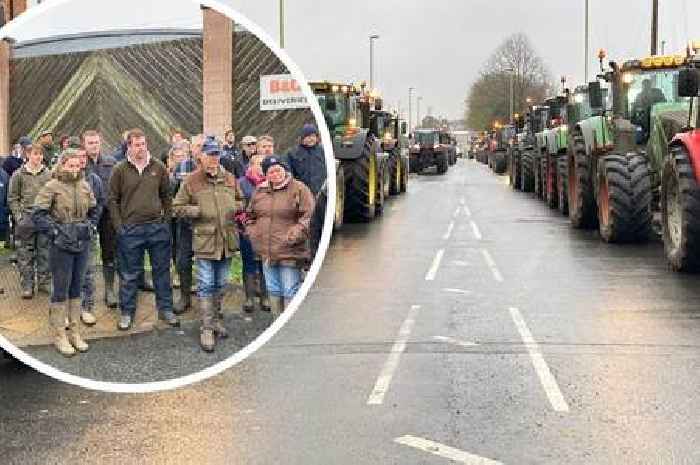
[33, 247]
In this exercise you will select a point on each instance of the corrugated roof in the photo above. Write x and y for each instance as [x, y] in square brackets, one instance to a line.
[101, 40]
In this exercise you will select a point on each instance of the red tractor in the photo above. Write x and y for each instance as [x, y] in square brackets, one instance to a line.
[680, 182]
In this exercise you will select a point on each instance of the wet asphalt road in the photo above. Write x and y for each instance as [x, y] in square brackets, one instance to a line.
[469, 315]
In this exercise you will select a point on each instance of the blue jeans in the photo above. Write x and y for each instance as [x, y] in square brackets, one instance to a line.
[250, 266]
[282, 281]
[132, 242]
[211, 276]
[67, 272]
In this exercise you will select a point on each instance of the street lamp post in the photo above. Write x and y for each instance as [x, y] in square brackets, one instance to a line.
[281, 23]
[410, 90]
[371, 61]
[512, 73]
[418, 99]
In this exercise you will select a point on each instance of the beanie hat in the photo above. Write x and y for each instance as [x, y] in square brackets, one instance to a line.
[308, 129]
[271, 161]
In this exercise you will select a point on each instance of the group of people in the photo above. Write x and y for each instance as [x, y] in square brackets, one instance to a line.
[198, 205]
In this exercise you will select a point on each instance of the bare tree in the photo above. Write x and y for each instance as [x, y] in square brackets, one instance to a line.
[489, 96]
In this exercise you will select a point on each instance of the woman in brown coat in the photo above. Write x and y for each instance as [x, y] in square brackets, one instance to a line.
[65, 209]
[278, 226]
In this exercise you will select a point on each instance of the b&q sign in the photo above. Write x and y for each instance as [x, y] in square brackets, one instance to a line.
[281, 92]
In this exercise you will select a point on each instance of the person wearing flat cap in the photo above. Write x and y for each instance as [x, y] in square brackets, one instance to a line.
[211, 198]
[278, 224]
[308, 164]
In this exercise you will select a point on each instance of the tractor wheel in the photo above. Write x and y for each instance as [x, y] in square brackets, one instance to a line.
[580, 186]
[562, 187]
[527, 175]
[680, 212]
[394, 174]
[404, 176]
[383, 183]
[515, 167]
[551, 181]
[442, 164]
[539, 173]
[624, 198]
[499, 163]
[361, 185]
[339, 198]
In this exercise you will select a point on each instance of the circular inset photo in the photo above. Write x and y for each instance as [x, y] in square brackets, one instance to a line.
[163, 191]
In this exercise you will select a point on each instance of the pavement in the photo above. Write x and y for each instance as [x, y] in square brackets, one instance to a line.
[470, 324]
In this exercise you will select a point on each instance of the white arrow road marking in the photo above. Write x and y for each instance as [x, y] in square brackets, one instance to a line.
[492, 265]
[457, 342]
[456, 213]
[444, 451]
[475, 229]
[430, 275]
[392, 362]
[467, 211]
[551, 388]
[449, 231]
[456, 291]
[462, 201]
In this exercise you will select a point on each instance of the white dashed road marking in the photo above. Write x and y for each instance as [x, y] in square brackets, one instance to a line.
[551, 388]
[476, 231]
[430, 275]
[444, 451]
[392, 362]
[492, 265]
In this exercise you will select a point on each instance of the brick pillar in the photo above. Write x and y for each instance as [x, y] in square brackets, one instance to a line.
[217, 70]
[5, 142]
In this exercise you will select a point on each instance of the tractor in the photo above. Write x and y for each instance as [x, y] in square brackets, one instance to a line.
[615, 165]
[431, 147]
[362, 168]
[392, 134]
[515, 153]
[500, 146]
[680, 180]
[528, 161]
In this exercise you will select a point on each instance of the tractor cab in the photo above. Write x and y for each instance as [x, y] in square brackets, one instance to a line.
[347, 107]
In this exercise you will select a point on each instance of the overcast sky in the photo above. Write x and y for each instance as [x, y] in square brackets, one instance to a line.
[435, 46]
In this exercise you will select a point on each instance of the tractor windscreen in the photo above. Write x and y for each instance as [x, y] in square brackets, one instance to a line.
[335, 108]
[650, 93]
[426, 138]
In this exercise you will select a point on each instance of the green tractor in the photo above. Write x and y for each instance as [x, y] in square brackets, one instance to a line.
[564, 112]
[500, 147]
[356, 122]
[615, 165]
[527, 155]
[394, 140]
[515, 153]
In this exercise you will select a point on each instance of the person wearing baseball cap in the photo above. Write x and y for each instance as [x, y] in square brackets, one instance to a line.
[210, 197]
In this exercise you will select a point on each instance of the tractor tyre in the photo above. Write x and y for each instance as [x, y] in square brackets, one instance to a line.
[562, 185]
[539, 173]
[527, 175]
[680, 212]
[514, 171]
[383, 184]
[582, 209]
[499, 162]
[442, 163]
[624, 198]
[360, 194]
[551, 181]
[339, 198]
[394, 175]
[404, 176]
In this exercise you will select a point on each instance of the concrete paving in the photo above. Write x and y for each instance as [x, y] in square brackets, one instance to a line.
[470, 325]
